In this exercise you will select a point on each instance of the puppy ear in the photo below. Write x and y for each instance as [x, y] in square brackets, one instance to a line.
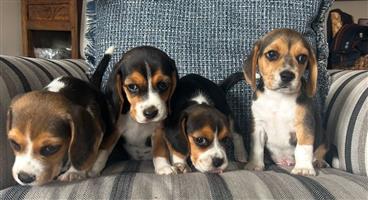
[174, 80]
[177, 135]
[115, 91]
[250, 66]
[9, 119]
[313, 74]
[85, 137]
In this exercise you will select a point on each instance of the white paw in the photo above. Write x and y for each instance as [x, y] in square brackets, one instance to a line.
[96, 169]
[304, 171]
[72, 176]
[93, 173]
[255, 166]
[166, 170]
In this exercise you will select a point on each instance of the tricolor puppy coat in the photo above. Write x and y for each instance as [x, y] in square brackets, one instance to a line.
[198, 128]
[140, 88]
[56, 132]
[284, 117]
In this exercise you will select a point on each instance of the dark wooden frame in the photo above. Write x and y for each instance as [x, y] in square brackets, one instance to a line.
[50, 15]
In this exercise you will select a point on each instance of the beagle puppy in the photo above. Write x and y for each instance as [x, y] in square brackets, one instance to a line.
[198, 128]
[139, 89]
[56, 132]
[285, 119]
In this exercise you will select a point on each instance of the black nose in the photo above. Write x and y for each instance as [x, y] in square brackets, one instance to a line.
[287, 76]
[217, 162]
[26, 178]
[150, 112]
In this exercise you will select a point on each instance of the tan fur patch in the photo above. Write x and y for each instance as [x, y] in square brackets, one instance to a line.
[54, 161]
[320, 152]
[304, 134]
[135, 78]
[195, 151]
[205, 132]
[158, 77]
[159, 148]
[138, 79]
[20, 138]
[223, 133]
[269, 68]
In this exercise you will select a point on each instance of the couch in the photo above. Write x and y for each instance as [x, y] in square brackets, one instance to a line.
[182, 29]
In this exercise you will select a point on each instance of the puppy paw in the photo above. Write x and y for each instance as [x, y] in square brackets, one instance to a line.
[72, 176]
[304, 171]
[94, 173]
[241, 156]
[99, 164]
[166, 170]
[182, 168]
[254, 166]
[320, 164]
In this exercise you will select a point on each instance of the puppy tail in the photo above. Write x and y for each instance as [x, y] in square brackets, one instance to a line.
[97, 75]
[231, 80]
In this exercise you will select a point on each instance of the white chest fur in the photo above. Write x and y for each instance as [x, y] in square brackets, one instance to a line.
[274, 113]
[136, 135]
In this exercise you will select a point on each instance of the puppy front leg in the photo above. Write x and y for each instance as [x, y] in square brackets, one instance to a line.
[104, 152]
[161, 161]
[304, 124]
[257, 149]
[239, 151]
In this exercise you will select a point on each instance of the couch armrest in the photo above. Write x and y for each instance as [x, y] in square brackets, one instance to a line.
[19, 75]
[346, 119]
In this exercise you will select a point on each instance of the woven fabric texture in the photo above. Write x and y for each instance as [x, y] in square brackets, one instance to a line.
[210, 38]
[19, 75]
[347, 119]
[137, 181]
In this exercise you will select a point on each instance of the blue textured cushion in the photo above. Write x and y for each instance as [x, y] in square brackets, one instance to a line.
[207, 37]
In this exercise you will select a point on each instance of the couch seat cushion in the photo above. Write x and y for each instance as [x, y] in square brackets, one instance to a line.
[136, 180]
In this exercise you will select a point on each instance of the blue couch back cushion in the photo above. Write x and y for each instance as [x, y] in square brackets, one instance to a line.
[206, 37]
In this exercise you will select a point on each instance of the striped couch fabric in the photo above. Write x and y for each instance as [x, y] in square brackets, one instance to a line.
[275, 183]
[19, 75]
[136, 180]
[347, 119]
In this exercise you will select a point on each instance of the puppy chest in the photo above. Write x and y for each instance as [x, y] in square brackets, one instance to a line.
[276, 117]
[137, 139]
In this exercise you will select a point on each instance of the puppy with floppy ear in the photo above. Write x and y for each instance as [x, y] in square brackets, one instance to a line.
[285, 119]
[139, 89]
[55, 133]
[199, 128]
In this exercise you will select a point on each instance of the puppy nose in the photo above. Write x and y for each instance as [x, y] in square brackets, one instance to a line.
[287, 76]
[150, 112]
[217, 162]
[26, 178]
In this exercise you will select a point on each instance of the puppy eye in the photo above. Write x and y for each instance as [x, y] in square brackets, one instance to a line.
[133, 88]
[272, 55]
[201, 141]
[301, 59]
[14, 145]
[49, 150]
[162, 86]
